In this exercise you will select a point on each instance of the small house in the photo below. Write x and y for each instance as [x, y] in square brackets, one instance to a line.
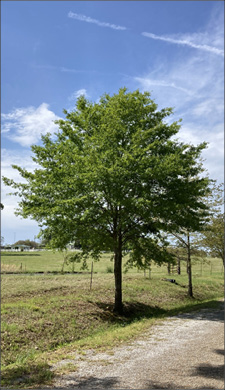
[20, 248]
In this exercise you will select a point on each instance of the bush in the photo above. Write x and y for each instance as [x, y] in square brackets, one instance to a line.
[109, 269]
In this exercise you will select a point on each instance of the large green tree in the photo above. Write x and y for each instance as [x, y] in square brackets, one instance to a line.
[113, 178]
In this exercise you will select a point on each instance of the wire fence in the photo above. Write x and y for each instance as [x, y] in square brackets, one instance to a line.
[200, 268]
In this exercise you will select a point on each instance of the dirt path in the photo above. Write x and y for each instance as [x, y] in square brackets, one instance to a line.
[183, 352]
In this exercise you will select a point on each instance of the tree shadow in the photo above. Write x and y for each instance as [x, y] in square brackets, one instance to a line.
[134, 311]
[215, 312]
[219, 351]
[209, 371]
[32, 374]
[151, 385]
[89, 383]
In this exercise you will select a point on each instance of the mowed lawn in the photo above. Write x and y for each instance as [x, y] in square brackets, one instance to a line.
[46, 317]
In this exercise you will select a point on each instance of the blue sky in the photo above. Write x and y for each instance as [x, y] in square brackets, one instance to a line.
[53, 51]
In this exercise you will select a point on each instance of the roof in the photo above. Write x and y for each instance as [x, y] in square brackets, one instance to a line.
[20, 246]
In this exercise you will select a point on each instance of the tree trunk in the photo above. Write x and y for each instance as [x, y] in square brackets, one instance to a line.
[190, 291]
[178, 266]
[168, 268]
[118, 306]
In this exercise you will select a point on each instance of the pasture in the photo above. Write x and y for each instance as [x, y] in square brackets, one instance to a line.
[53, 261]
[49, 316]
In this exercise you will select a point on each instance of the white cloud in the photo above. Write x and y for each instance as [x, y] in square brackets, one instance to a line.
[77, 94]
[187, 40]
[11, 224]
[214, 154]
[25, 125]
[23, 159]
[87, 19]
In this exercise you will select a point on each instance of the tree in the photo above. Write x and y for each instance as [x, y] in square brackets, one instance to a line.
[2, 238]
[187, 238]
[184, 241]
[112, 178]
[179, 254]
[27, 242]
[212, 236]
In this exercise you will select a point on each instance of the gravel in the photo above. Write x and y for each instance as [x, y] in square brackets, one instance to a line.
[182, 352]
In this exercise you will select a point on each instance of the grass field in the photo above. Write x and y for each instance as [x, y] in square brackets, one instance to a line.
[49, 261]
[46, 317]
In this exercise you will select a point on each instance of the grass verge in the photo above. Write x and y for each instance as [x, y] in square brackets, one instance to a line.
[49, 318]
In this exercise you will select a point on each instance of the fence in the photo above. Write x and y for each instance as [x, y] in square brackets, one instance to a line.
[200, 268]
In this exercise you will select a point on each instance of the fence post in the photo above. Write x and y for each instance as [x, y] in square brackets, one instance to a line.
[211, 269]
[91, 275]
[178, 267]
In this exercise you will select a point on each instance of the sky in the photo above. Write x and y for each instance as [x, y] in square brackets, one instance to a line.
[54, 51]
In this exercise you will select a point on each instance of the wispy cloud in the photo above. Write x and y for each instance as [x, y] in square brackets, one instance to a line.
[194, 85]
[202, 108]
[77, 94]
[84, 18]
[62, 69]
[191, 82]
[150, 82]
[186, 40]
[25, 125]
[71, 70]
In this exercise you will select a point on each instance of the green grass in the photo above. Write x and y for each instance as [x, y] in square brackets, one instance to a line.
[47, 317]
[49, 261]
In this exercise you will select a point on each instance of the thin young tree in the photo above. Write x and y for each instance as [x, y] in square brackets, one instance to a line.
[212, 236]
[184, 242]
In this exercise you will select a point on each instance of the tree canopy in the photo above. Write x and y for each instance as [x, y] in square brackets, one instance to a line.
[27, 242]
[113, 178]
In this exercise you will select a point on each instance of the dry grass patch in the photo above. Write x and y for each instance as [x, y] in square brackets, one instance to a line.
[9, 268]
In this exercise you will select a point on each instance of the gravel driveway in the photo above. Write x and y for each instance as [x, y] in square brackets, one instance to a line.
[182, 352]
